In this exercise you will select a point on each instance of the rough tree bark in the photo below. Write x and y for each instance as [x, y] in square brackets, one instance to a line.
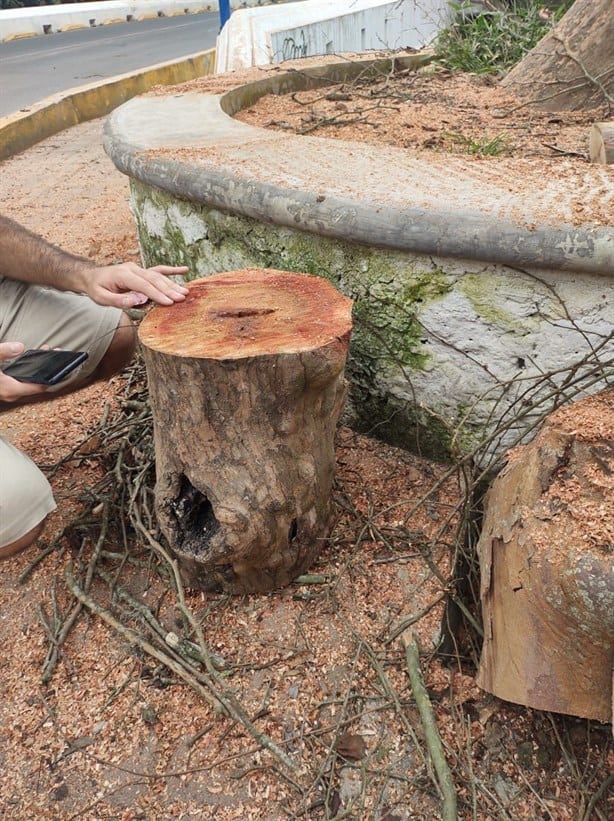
[547, 584]
[572, 66]
[246, 379]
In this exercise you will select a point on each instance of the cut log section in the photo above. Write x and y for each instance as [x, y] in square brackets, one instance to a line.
[545, 550]
[601, 146]
[246, 379]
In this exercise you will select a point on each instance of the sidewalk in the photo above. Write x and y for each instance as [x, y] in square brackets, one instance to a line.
[77, 105]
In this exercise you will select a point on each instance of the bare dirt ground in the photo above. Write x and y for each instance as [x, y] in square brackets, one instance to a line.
[320, 668]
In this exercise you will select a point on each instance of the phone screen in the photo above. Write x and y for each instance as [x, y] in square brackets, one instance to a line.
[44, 367]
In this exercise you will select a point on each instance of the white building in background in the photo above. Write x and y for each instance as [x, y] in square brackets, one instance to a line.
[270, 34]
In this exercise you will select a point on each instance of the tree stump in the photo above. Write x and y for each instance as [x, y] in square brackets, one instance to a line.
[601, 143]
[547, 583]
[246, 380]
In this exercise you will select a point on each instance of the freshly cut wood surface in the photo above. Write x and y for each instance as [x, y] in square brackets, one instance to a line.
[252, 312]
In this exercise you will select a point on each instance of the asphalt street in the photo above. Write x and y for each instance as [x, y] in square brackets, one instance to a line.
[36, 67]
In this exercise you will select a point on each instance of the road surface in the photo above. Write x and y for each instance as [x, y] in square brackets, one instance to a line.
[35, 67]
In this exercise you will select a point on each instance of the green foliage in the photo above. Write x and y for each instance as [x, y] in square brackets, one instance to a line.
[498, 38]
[483, 148]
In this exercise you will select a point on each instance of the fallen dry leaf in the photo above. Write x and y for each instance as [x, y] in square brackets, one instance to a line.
[351, 746]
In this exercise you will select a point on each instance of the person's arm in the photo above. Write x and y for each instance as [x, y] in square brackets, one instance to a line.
[29, 258]
[26, 257]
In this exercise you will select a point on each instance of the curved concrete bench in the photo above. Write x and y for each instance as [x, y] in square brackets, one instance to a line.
[467, 290]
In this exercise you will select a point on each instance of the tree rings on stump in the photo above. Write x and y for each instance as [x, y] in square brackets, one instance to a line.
[246, 380]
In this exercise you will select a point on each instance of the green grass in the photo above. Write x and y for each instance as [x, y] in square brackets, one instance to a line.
[483, 148]
[496, 40]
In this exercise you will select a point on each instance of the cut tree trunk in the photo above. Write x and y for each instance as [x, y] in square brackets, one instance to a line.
[571, 67]
[246, 379]
[602, 143]
[545, 551]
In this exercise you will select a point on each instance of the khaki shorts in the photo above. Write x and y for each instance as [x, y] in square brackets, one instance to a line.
[41, 316]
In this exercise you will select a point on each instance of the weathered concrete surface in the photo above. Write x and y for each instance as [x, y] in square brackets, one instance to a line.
[471, 302]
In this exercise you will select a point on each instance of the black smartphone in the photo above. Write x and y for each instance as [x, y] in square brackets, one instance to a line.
[44, 367]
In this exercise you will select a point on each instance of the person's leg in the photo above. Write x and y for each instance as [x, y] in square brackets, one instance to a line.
[41, 316]
[38, 316]
[19, 545]
[25, 501]
[120, 352]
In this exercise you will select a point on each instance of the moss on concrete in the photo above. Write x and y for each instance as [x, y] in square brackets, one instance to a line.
[388, 288]
[437, 343]
[399, 423]
[483, 292]
[391, 291]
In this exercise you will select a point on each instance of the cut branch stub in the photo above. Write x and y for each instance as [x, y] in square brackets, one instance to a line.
[246, 379]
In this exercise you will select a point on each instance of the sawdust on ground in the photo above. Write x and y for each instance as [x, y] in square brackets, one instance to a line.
[113, 735]
[469, 121]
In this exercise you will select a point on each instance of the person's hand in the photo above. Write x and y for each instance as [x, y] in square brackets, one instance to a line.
[127, 285]
[12, 390]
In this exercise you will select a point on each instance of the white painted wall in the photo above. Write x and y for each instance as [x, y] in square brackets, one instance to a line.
[406, 24]
[260, 36]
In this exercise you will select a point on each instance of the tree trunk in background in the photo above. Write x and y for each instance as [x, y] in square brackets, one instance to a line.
[246, 379]
[572, 67]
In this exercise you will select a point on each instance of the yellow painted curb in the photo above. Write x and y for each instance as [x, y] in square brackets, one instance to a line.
[25, 129]
[20, 36]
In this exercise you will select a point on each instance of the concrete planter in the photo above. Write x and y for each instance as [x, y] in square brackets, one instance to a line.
[470, 322]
